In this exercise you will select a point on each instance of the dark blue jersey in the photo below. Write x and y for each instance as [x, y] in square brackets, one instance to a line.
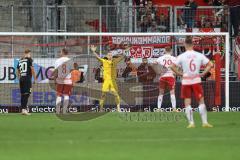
[24, 67]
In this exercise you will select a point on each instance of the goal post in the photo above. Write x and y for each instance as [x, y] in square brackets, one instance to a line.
[65, 42]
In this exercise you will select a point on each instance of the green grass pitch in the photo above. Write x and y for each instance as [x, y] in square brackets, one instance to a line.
[45, 137]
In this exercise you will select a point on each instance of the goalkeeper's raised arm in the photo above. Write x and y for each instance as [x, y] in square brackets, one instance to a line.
[93, 49]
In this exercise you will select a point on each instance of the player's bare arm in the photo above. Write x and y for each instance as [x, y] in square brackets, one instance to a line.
[54, 74]
[18, 74]
[34, 75]
[94, 49]
[207, 69]
[175, 69]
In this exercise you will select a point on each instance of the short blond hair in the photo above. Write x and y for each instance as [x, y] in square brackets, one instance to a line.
[189, 41]
[65, 51]
[27, 51]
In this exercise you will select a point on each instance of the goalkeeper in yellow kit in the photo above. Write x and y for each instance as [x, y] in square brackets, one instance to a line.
[109, 76]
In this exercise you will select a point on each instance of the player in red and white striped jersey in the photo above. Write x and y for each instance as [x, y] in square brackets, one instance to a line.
[62, 76]
[191, 62]
[167, 78]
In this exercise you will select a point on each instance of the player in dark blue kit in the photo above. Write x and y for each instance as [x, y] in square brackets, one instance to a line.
[25, 72]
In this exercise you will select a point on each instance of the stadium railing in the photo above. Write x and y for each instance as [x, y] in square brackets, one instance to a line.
[203, 18]
[67, 18]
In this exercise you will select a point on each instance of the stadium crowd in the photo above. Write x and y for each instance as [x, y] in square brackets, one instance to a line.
[149, 18]
[155, 18]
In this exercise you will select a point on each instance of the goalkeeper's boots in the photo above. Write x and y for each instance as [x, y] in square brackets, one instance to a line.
[191, 126]
[207, 125]
[100, 109]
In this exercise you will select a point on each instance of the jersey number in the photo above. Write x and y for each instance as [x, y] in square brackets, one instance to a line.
[192, 66]
[23, 67]
[167, 62]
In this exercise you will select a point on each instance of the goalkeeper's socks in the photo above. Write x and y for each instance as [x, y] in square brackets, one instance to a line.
[58, 104]
[118, 108]
[101, 105]
[65, 104]
[189, 114]
[160, 98]
[173, 101]
[203, 113]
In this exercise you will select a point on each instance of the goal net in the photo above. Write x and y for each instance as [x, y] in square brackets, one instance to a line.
[138, 86]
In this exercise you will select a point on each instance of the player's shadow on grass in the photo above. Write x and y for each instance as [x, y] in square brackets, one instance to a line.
[127, 91]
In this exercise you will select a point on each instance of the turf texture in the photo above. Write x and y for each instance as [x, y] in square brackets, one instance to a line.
[108, 137]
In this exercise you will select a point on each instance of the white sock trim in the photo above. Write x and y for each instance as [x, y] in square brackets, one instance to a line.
[65, 104]
[173, 101]
[189, 114]
[203, 113]
[58, 104]
[160, 99]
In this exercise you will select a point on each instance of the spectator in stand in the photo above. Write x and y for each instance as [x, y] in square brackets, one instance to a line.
[144, 7]
[75, 74]
[190, 13]
[139, 29]
[180, 22]
[145, 24]
[218, 14]
[147, 12]
[163, 23]
[140, 2]
[150, 4]
[99, 74]
[146, 75]
[145, 72]
[234, 15]
[99, 78]
[200, 23]
[207, 24]
[150, 7]
[153, 27]
[150, 17]
[215, 2]
[146, 15]
[219, 22]
[130, 72]
[141, 13]
[225, 20]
